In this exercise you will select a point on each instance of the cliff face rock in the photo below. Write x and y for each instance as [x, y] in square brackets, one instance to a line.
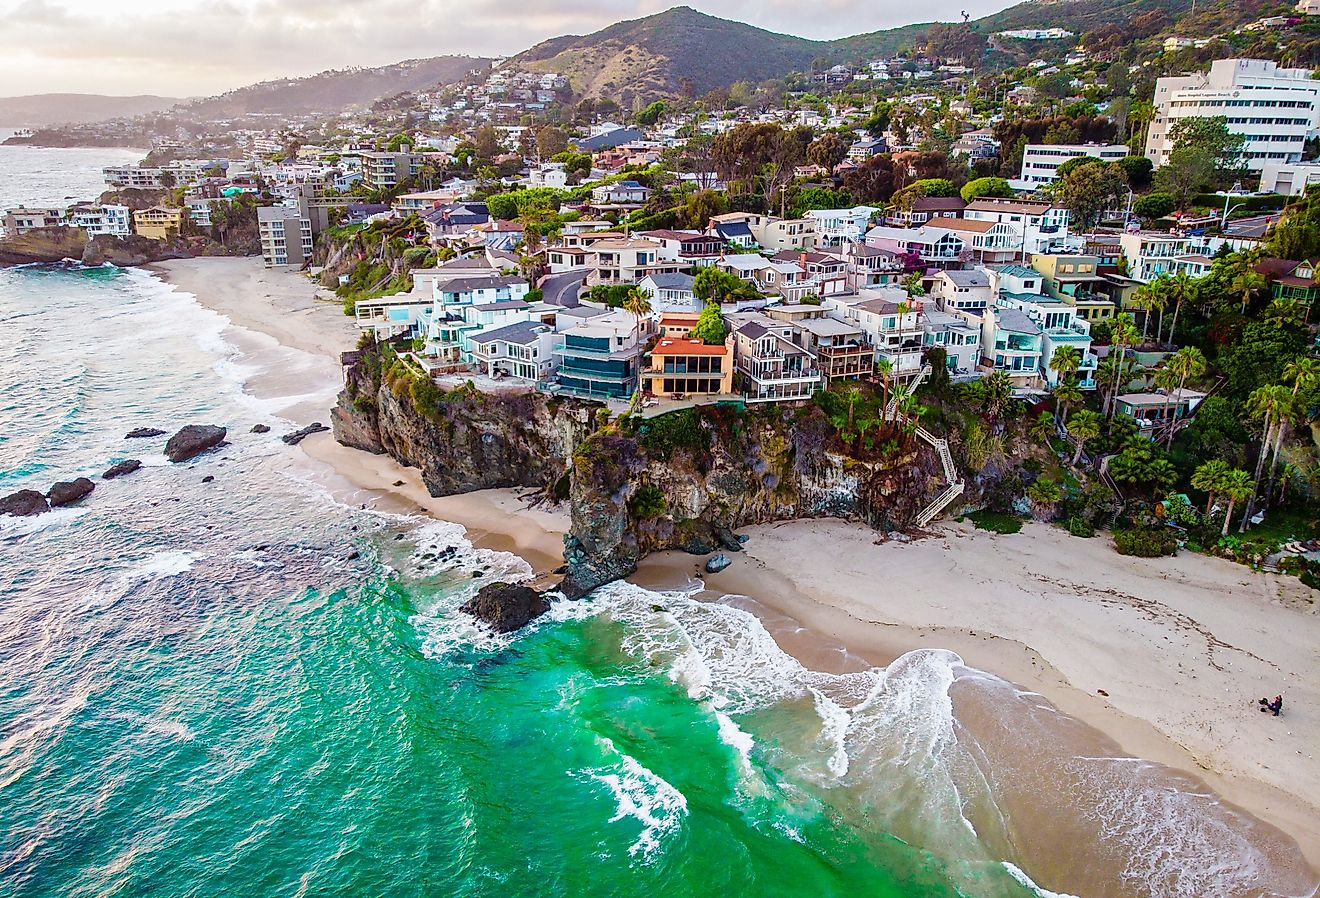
[685, 480]
[132, 250]
[43, 245]
[461, 440]
[507, 607]
[688, 480]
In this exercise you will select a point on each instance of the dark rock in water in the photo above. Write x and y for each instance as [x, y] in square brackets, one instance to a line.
[24, 503]
[208, 478]
[119, 469]
[68, 491]
[260, 428]
[141, 433]
[507, 607]
[717, 564]
[354, 555]
[192, 440]
[398, 483]
[293, 439]
[398, 536]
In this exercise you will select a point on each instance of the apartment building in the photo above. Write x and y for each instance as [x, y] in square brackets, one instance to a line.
[682, 367]
[1040, 162]
[1276, 109]
[1043, 225]
[286, 236]
[772, 366]
[600, 356]
[1076, 280]
[837, 226]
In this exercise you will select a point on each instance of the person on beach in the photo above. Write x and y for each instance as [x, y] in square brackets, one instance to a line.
[1274, 707]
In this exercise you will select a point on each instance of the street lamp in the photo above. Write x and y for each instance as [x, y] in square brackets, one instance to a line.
[1236, 189]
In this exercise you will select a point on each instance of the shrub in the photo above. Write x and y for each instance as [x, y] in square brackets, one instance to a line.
[995, 522]
[1145, 542]
[664, 434]
[1079, 526]
[648, 502]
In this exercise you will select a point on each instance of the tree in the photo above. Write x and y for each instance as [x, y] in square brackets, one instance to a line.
[996, 391]
[1084, 426]
[1138, 169]
[1088, 191]
[1068, 167]
[1272, 406]
[1154, 205]
[1180, 288]
[990, 187]
[819, 198]
[1043, 427]
[1123, 334]
[717, 286]
[486, 141]
[1209, 478]
[1065, 393]
[1149, 298]
[1185, 364]
[1237, 487]
[1188, 171]
[827, 151]
[1211, 136]
[1247, 280]
[873, 180]
[551, 141]
[1144, 463]
[936, 187]
[652, 113]
[710, 327]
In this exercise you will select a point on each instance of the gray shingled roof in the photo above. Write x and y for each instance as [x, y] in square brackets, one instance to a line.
[522, 333]
[968, 278]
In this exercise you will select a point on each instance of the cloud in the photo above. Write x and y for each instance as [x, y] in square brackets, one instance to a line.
[192, 47]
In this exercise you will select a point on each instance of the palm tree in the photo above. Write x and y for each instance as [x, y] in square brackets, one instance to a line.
[1247, 280]
[1065, 394]
[1065, 361]
[1043, 427]
[903, 309]
[1084, 426]
[884, 367]
[1148, 298]
[853, 396]
[1236, 486]
[996, 393]
[1186, 363]
[1182, 288]
[1271, 405]
[638, 302]
[1210, 478]
[1286, 313]
[1304, 375]
[1123, 335]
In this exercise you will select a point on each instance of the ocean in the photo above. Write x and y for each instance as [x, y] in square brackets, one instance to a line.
[250, 687]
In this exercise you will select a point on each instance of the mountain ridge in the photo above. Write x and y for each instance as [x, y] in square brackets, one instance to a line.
[41, 110]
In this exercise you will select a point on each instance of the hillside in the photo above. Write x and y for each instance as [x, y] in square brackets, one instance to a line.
[656, 55]
[334, 90]
[41, 110]
[681, 48]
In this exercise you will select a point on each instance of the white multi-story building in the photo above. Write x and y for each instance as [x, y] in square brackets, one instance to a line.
[1040, 162]
[101, 220]
[1288, 178]
[1036, 34]
[1275, 109]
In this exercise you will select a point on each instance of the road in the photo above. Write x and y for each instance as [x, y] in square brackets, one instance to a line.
[562, 289]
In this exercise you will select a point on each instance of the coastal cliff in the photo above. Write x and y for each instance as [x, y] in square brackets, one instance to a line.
[51, 245]
[685, 480]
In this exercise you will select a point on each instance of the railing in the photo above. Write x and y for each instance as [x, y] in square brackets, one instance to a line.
[892, 406]
[955, 487]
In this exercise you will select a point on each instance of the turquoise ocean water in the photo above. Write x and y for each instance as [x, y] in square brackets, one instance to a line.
[247, 688]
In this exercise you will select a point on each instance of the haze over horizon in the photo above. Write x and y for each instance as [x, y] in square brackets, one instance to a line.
[191, 48]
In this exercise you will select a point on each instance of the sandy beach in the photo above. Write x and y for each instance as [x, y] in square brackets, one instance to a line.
[1167, 656]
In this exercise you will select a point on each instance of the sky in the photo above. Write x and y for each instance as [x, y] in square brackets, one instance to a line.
[203, 47]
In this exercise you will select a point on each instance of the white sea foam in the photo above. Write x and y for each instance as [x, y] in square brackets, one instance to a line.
[163, 563]
[640, 795]
[12, 527]
[1026, 882]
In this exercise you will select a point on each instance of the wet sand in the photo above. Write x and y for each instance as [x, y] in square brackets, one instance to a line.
[1183, 647]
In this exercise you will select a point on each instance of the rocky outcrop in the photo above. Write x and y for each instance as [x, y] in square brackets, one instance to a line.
[260, 428]
[141, 433]
[686, 480]
[134, 250]
[24, 503]
[507, 607]
[119, 469]
[66, 492]
[461, 439]
[43, 245]
[192, 440]
[293, 439]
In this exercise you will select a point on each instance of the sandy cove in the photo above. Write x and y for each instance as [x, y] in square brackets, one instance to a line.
[1167, 656]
